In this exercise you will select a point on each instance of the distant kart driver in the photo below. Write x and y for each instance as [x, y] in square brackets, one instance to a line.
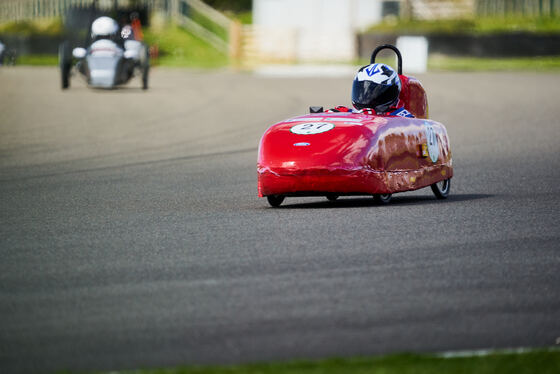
[375, 90]
[108, 45]
[105, 28]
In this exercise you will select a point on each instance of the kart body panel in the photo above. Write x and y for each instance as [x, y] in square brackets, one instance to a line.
[413, 96]
[105, 65]
[352, 154]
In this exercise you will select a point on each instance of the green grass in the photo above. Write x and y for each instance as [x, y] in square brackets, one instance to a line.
[246, 18]
[467, 64]
[435, 63]
[52, 26]
[479, 25]
[541, 362]
[37, 60]
[178, 47]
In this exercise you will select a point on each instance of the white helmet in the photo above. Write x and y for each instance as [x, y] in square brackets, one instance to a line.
[104, 26]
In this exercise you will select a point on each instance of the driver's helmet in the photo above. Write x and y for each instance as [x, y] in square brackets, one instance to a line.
[376, 86]
[104, 28]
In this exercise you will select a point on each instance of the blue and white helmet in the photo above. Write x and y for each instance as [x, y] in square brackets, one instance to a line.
[376, 86]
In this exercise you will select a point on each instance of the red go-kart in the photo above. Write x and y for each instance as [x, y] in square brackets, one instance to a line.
[333, 154]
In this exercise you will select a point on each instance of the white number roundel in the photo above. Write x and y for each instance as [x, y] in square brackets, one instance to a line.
[312, 128]
[433, 147]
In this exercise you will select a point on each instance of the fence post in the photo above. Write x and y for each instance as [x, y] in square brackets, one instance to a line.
[235, 40]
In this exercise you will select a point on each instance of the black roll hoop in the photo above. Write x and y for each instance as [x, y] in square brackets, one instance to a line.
[394, 49]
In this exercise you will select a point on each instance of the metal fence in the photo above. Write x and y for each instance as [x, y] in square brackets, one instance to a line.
[543, 8]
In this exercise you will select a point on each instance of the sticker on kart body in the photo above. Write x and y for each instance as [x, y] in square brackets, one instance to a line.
[312, 128]
[431, 137]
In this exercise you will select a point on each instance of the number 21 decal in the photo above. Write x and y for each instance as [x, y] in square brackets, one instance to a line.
[311, 128]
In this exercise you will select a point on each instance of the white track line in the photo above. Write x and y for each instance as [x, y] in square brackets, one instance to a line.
[487, 352]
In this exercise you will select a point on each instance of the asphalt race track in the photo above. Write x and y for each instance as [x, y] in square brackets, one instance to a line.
[131, 234]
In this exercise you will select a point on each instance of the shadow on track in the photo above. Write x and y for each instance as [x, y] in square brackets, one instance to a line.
[106, 91]
[364, 202]
[126, 165]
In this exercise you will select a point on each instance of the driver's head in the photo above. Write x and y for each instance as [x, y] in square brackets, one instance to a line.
[104, 28]
[376, 86]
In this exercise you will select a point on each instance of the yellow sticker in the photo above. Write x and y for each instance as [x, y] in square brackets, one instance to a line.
[425, 150]
[443, 172]
[413, 179]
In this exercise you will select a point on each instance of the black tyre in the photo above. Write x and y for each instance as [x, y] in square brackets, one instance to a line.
[332, 197]
[145, 66]
[275, 200]
[441, 189]
[382, 198]
[65, 64]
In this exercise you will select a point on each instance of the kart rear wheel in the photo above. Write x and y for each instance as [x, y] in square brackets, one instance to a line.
[275, 200]
[65, 63]
[441, 189]
[332, 197]
[145, 66]
[382, 198]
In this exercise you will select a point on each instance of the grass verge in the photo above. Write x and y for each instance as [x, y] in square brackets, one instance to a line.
[471, 64]
[37, 60]
[435, 63]
[48, 26]
[535, 64]
[538, 361]
[479, 25]
[178, 47]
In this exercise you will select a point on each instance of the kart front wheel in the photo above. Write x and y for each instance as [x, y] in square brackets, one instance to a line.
[331, 197]
[145, 67]
[441, 189]
[275, 200]
[382, 198]
[65, 63]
